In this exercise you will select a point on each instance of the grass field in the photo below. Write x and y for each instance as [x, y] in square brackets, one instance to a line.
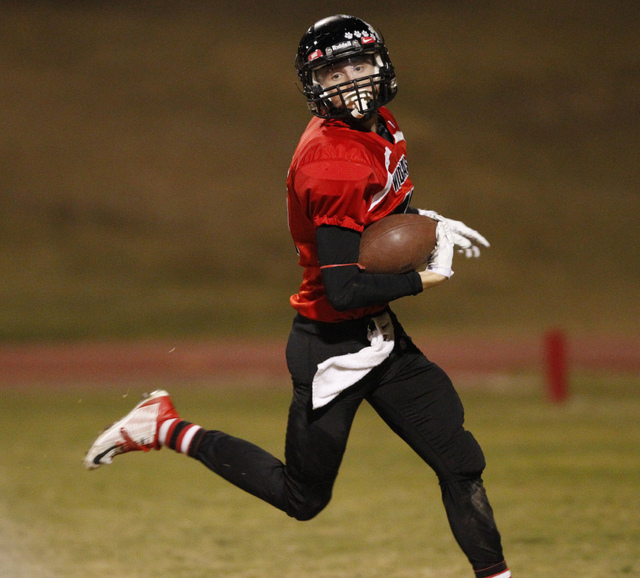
[563, 481]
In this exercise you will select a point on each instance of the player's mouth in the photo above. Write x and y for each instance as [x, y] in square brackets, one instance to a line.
[358, 101]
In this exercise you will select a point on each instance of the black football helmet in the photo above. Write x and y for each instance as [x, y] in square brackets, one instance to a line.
[335, 39]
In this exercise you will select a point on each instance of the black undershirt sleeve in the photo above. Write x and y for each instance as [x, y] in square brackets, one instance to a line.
[349, 287]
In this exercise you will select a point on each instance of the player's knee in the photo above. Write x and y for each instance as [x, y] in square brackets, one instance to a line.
[309, 503]
[466, 458]
[307, 512]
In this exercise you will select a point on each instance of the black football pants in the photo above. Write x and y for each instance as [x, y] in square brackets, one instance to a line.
[411, 394]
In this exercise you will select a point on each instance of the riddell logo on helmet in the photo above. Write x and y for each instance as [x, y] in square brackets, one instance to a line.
[367, 40]
[341, 46]
[315, 54]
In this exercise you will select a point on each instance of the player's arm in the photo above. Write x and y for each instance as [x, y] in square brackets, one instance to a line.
[431, 278]
[347, 285]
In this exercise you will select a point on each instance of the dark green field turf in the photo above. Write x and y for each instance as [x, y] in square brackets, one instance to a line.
[563, 482]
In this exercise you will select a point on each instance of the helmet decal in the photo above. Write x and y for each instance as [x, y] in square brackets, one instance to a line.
[342, 47]
[366, 36]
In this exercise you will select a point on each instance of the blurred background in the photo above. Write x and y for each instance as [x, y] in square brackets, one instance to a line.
[144, 148]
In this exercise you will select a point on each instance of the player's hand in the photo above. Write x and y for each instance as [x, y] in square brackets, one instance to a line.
[442, 255]
[465, 239]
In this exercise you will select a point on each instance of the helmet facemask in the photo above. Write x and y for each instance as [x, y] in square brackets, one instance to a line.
[357, 96]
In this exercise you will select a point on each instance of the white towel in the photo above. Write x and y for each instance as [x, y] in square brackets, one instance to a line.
[337, 373]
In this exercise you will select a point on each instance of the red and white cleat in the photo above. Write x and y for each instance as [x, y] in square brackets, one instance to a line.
[138, 430]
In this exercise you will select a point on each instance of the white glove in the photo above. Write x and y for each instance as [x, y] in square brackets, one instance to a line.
[465, 239]
[442, 255]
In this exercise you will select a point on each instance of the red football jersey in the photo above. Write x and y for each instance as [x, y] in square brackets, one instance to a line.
[345, 177]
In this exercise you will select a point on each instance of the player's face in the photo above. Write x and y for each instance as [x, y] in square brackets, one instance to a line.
[355, 94]
[345, 70]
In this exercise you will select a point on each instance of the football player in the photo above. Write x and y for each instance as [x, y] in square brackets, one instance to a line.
[346, 345]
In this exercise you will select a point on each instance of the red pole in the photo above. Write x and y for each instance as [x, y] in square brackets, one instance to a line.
[555, 347]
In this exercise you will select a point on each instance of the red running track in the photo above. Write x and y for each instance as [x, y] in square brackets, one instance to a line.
[104, 361]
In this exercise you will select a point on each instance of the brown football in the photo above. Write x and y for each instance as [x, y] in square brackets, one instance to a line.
[397, 243]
